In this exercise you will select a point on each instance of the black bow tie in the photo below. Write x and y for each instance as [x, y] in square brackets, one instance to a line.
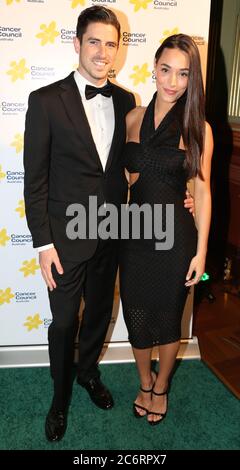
[91, 91]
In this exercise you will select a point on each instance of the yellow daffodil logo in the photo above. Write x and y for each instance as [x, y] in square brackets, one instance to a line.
[9, 2]
[18, 70]
[29, 267]
[2, 174]
[140, 4]
[168, 33]
[3, 237]
[17, 143]
[21, 208]
[5, 296]
[48, 34]
[33, 322]
[140, 74]
[75, 3]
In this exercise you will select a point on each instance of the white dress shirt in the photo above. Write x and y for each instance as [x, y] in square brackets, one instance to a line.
[100, 115]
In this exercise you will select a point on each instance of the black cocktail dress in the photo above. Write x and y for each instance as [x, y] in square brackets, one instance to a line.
[152, 280]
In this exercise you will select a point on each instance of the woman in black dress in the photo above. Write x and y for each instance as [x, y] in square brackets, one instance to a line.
[168, 143]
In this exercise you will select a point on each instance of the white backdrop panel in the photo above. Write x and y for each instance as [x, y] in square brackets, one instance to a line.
[36, 49]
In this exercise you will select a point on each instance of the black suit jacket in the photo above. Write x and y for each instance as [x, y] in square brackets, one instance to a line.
[62, 165]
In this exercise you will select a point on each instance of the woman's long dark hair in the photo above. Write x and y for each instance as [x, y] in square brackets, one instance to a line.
[194, 114]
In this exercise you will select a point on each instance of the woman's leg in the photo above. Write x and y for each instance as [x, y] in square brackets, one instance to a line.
[167, 358]
[143, 362]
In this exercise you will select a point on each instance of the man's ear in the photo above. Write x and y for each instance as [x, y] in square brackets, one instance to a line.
[76, 42]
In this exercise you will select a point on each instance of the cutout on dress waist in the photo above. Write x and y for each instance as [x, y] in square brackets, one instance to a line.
[137, 174]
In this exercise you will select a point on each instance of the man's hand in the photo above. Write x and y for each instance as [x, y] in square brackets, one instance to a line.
[46, 259]
[189, 202]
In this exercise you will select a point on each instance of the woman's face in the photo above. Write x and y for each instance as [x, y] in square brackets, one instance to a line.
[172, 71]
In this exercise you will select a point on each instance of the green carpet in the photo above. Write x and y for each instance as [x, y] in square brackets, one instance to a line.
[202, 413]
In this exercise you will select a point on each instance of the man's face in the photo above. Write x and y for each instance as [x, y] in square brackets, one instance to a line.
[97, 51]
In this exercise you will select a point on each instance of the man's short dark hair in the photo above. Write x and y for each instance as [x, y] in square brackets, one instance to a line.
[96, 14]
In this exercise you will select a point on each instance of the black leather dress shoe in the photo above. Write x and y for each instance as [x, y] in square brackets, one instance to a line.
[98, 393]
[56, 424]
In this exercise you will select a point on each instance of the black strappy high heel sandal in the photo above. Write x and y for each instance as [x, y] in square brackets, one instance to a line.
[135, 405]
[162, 415]
[135, 412]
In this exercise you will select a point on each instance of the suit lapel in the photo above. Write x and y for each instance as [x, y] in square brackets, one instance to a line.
[118, 127]
[73, 104]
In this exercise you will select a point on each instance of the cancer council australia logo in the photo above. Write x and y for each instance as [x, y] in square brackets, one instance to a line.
[48, 34]
[76, 3]
[6, 296]
[3, 237]
[140, 4]
[18, 70]
[21, 209]
[33, 322]
[9, 2]
[168, 33]
[17, 142]
[29, 267]
[2, 174]
[140, 74]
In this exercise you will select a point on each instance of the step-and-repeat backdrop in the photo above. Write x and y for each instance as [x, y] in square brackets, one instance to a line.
[36, 48]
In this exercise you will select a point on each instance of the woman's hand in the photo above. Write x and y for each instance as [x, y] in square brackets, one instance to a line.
[197, 267]
[189, 202]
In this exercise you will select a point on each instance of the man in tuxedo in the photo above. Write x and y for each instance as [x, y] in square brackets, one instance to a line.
[73, 142]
